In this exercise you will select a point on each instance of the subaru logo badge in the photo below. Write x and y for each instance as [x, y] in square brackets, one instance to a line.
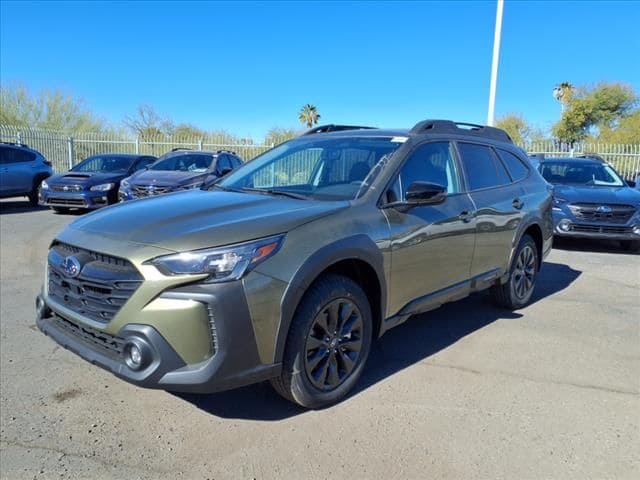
[603, 209]
[71, 266]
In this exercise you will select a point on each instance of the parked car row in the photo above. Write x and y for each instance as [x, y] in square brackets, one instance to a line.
[105, 179]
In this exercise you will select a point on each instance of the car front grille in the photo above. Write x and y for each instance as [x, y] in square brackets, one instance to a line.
[109, 344]
[140, 191]
[100, 288]
[66, 188]
[605, 213]
[600, 229]
[70, 202]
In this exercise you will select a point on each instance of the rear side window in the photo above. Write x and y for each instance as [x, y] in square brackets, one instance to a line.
[516, 168]
[14, 155]
[483, 169]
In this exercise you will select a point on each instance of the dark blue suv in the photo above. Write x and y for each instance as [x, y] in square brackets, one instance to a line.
[93, 183]
[591, 200]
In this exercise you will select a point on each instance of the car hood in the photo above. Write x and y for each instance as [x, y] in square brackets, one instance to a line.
[587, 194]
[85, 179]
[200, 219]
[167, 178]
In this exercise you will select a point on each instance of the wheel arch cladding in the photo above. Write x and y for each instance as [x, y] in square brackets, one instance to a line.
[535, 232]
[357, 258]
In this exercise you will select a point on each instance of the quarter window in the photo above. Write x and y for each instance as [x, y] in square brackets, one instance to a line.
[516, 168]
[482, 167]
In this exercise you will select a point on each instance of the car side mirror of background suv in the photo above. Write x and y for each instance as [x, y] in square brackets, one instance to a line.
[425, 193]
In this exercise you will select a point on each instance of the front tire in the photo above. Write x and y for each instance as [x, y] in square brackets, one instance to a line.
[328, 343]
[517, 291]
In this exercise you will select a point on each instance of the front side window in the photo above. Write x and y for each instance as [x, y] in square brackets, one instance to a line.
[337, 168]
[587, 174]
[483, 170]
[431, 162]
[184, 163]
[103, 164]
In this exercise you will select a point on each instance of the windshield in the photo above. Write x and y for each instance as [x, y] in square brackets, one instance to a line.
[336, 168]
[196, 163]
[104, 164]
[588, 174]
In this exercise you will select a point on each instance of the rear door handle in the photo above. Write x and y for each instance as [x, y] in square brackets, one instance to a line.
[466, 216]
[517, 203]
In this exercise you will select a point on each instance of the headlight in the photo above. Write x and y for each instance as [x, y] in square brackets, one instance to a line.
[102, 187]
[221, 264]
[557, 201]
[124, 183]
[44, 185]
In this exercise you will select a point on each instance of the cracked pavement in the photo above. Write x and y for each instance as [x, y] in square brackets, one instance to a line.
[466, 391]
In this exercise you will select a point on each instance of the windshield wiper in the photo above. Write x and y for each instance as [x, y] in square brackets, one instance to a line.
[273, 191]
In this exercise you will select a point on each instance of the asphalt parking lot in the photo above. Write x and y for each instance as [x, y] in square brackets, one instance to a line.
[467, 391]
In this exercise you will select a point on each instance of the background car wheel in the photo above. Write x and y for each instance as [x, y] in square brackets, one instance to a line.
[60, 209]
[328, 343]
[517, 291]
[630, 245]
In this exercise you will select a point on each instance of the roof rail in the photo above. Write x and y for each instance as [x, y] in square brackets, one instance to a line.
[15, 144]
[592, 156]
[177, 149]
[448, 126]
[334, 128]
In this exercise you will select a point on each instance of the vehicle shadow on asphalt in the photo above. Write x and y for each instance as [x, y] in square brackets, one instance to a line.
[590, 245]
[10, 207]
[410, 343]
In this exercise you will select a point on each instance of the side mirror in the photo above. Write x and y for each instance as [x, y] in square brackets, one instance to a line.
[631, 183]
[225, 171]
[425, 193]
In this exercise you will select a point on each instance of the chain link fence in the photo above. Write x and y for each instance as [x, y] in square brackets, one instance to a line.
[65, 150]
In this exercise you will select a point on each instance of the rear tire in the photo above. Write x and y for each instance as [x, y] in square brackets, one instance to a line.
[328, 343]
[517, 291]
[60, 209]
[630, 245]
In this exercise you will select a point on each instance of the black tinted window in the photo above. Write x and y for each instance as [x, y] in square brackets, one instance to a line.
[223, 162]
[144, 162]
[516, 168]
[15, 155]
[482, 168]
[196, 163]
[431, 162]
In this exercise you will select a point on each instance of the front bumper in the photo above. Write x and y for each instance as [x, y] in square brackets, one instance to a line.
[564, 226]
[89, 200]
[234, 360]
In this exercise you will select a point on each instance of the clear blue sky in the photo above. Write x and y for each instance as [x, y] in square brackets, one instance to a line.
[246, 67]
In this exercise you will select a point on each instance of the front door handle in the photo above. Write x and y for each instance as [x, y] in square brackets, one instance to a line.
[466, 216]
[517, 203]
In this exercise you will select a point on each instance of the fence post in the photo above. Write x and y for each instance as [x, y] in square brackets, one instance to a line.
[200, 144]
[137, 144]
[19, 137]
[70, 148]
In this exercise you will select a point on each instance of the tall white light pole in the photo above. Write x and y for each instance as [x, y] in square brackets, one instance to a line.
[494, 64]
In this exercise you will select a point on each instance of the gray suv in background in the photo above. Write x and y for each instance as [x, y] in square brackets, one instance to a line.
[22, 169]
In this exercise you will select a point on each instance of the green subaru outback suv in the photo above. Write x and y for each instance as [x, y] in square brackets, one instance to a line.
[288, 268]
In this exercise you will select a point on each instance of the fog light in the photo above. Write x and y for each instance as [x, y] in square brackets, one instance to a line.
[136, 354]
[564, 225]
[636, 229]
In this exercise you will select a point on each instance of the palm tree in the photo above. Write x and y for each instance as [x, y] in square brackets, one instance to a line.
[309, 115]
[563, 92]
